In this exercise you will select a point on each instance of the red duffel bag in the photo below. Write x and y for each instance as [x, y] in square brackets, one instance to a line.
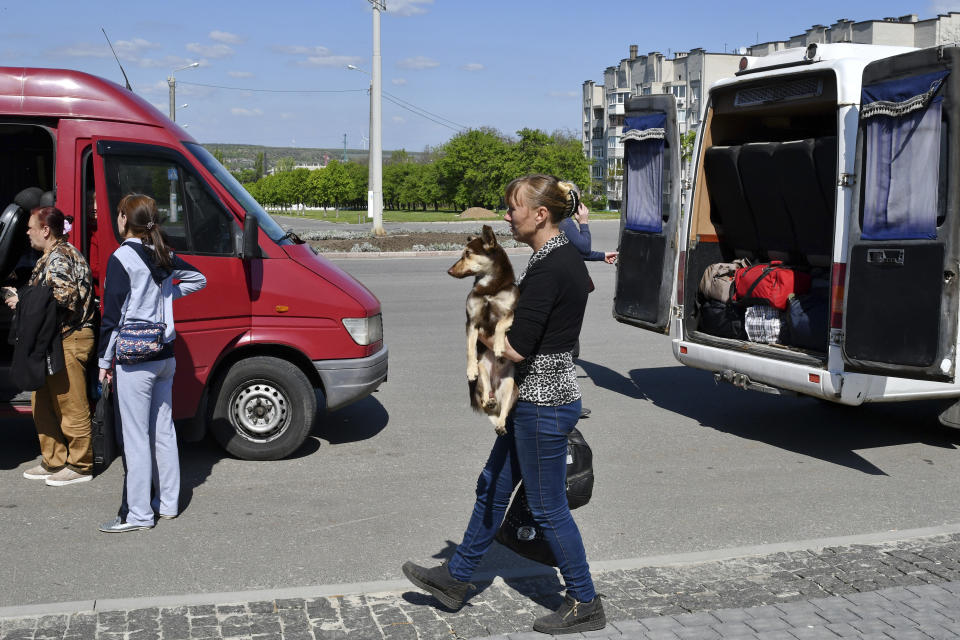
[769, 284]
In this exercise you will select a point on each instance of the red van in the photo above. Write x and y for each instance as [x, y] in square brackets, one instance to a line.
[277, 333]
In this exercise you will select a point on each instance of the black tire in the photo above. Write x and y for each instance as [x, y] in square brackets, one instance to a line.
[263, 408]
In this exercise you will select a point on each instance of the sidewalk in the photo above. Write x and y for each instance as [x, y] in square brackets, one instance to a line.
[902, 589]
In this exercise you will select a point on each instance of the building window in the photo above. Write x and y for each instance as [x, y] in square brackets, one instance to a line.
[613, 142]
[646, 91]
[679, 91]
[681, 115]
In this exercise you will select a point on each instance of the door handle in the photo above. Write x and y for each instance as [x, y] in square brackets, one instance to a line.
[885, 256]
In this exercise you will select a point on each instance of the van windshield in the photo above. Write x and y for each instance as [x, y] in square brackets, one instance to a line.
[273, 230]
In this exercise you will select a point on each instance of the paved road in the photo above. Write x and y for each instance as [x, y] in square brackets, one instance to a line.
[682, 465]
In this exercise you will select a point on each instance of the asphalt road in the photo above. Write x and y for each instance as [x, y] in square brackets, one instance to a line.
[681, 464]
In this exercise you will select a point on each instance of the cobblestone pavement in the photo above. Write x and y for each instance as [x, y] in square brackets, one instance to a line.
[902, 590]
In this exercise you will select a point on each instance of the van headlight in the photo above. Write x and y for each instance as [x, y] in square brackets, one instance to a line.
[365, 331]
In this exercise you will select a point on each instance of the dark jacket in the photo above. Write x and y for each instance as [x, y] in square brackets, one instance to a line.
[36, 338]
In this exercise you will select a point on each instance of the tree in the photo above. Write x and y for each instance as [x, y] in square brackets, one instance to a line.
[218, 155]
[686, 145]
[258, 165]
[285, 164]
[472, 168]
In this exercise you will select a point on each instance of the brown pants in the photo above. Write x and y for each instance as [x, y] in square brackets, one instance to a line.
[61, 410]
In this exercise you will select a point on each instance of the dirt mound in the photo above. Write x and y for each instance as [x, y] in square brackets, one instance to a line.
[475, 213]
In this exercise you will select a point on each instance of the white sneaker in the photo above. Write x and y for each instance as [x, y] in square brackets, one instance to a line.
[67, 476]
[117, 525]
[37, 472]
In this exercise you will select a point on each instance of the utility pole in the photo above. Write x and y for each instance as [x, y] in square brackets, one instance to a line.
[344, 147]
[375, 194]
[172, 83]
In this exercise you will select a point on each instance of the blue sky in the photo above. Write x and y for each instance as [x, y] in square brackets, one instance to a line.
[506, 65]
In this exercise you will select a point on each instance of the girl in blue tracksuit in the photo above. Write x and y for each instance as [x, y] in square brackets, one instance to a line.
[139, 287]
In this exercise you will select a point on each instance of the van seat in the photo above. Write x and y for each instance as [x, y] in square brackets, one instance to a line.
[825, 160]
[761, 186]
[810, 214]
[729, 211]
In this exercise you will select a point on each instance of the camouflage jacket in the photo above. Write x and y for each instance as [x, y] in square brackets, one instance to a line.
[65, 271]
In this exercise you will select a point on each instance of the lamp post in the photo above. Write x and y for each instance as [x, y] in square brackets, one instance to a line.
[375, 163]
[172, 83]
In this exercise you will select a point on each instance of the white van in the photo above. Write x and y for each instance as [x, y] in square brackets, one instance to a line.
[843, 162]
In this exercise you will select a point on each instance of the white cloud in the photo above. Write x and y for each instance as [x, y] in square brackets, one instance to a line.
[167, 62]
[399, 82]
[943, 7]
[398, 120]
[239, 74]
[300, 50]
[240, 111]
[407, 7]
[473, 66]
[128, 50]
[210, 50]
[563, 94]
[329, 61]
[287, 116]
[225, 37]
[418, 62]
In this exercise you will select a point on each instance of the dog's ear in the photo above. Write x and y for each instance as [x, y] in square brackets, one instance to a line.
[489, 237]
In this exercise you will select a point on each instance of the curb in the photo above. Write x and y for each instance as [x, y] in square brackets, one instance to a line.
[385, 586]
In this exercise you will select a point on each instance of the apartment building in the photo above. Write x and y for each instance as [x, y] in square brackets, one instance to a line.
[689, 74]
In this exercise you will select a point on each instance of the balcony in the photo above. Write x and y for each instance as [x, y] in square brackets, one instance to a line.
[598, 132]
[615, 109]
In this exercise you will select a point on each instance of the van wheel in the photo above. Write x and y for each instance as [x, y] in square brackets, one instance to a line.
[264, 409]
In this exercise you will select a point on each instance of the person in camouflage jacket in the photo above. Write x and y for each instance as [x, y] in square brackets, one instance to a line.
[61, 410]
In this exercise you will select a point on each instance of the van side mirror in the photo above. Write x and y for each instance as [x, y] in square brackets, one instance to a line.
[250, 246]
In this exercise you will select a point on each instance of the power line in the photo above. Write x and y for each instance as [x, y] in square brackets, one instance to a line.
[400, 102]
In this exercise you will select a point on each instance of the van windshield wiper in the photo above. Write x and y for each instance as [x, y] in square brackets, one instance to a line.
[292, 235]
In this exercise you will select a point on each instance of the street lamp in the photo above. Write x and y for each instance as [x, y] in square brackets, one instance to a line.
[172, 83]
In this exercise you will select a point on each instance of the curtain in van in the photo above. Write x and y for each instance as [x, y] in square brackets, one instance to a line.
[643, 141]
[902, 144]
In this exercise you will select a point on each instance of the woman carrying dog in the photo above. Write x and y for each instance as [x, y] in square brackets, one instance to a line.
[553, 298]
[139, 289]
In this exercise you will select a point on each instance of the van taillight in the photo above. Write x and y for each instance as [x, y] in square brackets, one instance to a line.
[681, 268]
[838, 276]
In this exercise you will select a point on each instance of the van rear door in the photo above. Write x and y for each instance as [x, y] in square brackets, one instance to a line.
[900, 299]
[649, 213]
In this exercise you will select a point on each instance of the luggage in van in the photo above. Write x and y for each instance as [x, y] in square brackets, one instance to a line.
[764, 324]
[717, 280]
[769, 284]
[808, 317]
[722, 319]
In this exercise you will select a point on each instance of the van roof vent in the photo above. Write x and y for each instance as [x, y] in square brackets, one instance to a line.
[779, 91]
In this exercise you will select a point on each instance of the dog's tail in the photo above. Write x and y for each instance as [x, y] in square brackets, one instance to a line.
[475, 400]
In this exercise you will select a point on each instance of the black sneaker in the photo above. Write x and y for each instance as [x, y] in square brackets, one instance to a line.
[438, 582]
[573, 617]
[584, 412]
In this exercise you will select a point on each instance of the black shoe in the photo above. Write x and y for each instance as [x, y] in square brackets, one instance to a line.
[573, 617]
[439, 583]
[584, 412]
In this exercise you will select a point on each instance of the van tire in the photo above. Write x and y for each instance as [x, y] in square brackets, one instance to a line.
[264, 408]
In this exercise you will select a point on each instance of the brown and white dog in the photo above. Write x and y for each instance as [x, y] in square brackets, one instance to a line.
[490, 306]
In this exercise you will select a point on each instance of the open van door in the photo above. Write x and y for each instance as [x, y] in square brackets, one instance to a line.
[649, 213]
[900, 300]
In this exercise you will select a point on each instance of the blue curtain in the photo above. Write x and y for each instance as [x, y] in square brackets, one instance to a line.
[902, 127]
[643, 147]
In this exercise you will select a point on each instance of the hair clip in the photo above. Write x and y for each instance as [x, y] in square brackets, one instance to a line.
[150, 225]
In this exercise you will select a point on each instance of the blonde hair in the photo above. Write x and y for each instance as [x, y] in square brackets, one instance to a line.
[539, 190]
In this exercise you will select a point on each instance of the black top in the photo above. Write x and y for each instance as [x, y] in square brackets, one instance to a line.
[553, 298]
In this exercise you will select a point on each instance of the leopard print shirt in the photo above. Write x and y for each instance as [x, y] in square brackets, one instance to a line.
[547, 379]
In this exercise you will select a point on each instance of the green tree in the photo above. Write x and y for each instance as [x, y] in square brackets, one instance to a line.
[285, 164]
[686, 144]
[218, 155]
[258, 165]
[472, 168]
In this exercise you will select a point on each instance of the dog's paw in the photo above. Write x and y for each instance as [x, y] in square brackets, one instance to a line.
[501, 430]
[473, 371]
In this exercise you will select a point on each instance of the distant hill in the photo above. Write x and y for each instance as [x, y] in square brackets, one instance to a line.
[243, 156]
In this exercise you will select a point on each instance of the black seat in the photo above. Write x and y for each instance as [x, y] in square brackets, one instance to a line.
[13, 229]
[825, 161]
[761, 186]
[810, 215]
[729, 211]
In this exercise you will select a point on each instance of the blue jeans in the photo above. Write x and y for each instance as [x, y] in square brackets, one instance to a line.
[534, 449]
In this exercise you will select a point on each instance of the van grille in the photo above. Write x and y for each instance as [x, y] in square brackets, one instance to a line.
[790, 90]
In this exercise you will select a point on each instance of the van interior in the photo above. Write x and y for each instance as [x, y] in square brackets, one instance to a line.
[26, 161]
[765, 191]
